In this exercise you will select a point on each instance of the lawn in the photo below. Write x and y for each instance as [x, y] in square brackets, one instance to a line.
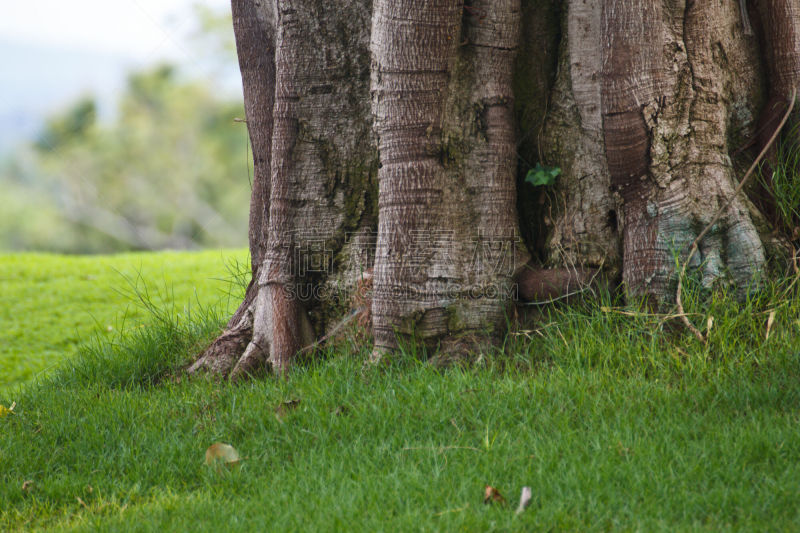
[614, 419]
[50, 302]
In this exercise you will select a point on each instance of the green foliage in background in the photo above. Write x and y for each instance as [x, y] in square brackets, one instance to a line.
[168, 169]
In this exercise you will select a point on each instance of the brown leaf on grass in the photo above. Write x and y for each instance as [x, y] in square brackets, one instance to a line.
[26, 485]
[220, 452]
[491, 495]
[284, 407]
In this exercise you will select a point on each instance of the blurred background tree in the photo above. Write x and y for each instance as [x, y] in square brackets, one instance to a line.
[168, 169]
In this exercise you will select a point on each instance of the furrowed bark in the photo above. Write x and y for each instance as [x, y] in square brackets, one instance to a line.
[632, 33]
[666, 127]
[313, 221]
[780, 21]
[581, 220]
[413, 45]
[650, 104]
[279, 318]
[486, 69]
[443, 108]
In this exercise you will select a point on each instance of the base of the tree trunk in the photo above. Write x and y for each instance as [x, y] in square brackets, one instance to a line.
[221, 356]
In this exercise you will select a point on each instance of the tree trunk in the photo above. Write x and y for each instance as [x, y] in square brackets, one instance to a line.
[652, 103]
[443, 107]
[648, 107]
[305, 72]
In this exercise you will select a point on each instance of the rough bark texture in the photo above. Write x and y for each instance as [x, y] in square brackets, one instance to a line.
[313, 210]
[647, 106]
[652, 100]
[534, 76]
[255, 48]
[582, 215]
[443, 107]
[666, 140]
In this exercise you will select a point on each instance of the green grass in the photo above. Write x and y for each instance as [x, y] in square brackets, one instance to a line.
[782, 184]
[617, 422]
[51, 302]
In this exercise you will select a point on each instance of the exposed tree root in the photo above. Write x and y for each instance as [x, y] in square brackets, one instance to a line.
[696, 243]
[540, 285]
[224, 352]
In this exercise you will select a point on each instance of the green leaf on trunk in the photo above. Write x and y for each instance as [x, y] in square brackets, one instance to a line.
[542, 175]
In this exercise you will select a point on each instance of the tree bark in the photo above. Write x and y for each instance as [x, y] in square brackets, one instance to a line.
[305, 72]
[667, 70]
[649, 99]
[255, 47]
[443, 107]
[409, 125]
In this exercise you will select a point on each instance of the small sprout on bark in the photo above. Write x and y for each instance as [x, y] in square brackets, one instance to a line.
[542, 176]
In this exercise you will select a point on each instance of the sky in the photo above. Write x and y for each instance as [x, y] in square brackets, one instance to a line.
[54, 51]
[139, 29]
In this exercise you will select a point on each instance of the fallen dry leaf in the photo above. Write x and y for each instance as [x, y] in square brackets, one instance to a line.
[491, 494]
[284, 408]
[5, 411]
[26, 485]
[524, 499]
[220, 452]
[770, 321]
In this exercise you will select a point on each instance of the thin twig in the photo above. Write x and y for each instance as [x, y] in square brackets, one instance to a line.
[343, 322]
[557, 298]
[661, 316]
[719, 213]
[441, 449]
